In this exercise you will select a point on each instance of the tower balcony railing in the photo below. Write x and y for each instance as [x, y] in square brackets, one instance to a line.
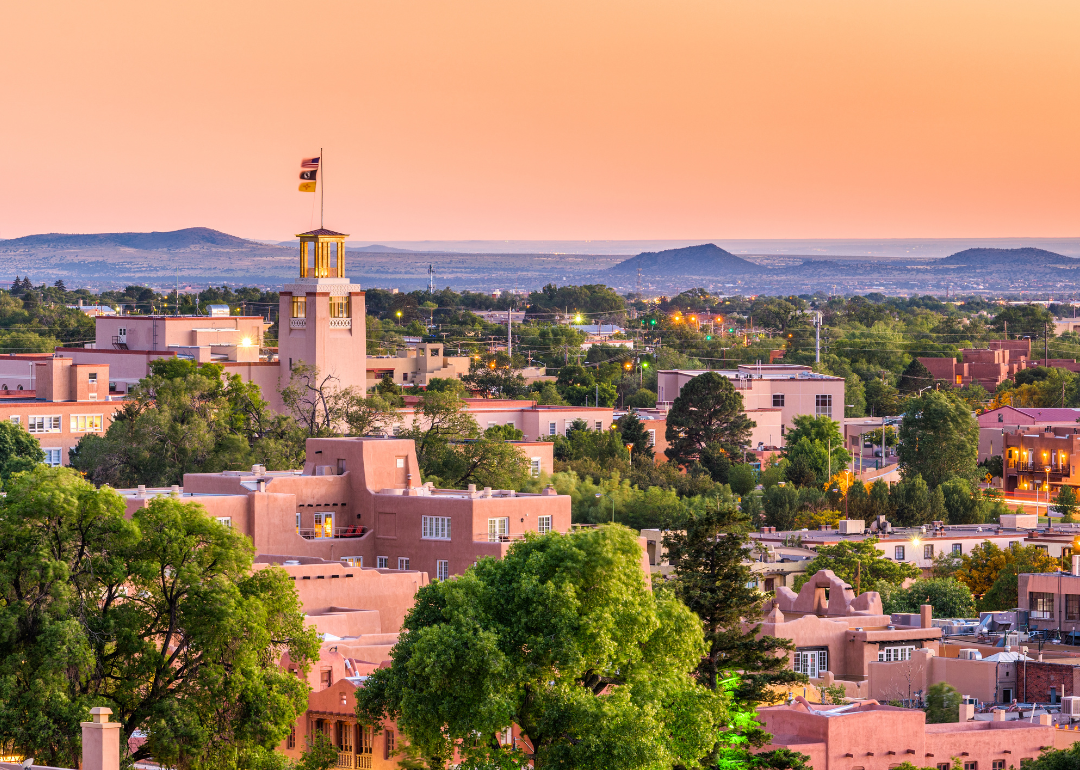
[340, 323]
[297, 323]
[326, 533]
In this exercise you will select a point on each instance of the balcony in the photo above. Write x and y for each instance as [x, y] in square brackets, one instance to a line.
[319, 533]
[340, 323]
[297, 323]
[1018, 466]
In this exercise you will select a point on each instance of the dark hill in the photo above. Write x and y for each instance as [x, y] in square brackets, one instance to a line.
[1013, 258]
[706, 259]
[190, 237]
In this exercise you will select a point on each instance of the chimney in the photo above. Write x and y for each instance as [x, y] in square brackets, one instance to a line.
[926, 616]
[142, 490]
[260, 485]
[100, 741]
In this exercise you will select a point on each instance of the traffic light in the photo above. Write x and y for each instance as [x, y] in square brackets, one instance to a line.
[653, 322]
[628, 366]
[708, 337]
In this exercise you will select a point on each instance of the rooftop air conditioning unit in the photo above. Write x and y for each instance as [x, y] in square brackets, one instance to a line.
[970, 654]
[1070, 706]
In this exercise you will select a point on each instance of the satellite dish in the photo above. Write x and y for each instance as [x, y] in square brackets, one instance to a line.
[27, 763]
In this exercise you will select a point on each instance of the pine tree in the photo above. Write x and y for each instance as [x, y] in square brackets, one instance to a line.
[16, 285]
[915, 377]
[711, 578]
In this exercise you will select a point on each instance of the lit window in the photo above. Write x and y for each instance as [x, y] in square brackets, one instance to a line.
[84, 423]
[442, 569]
[339, 307]
[543, 524]
[299, 307]
[324, 525]
[435, 527]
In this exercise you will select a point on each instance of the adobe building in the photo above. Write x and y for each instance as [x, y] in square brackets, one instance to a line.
[838, 633]
[65, 402]
[773, 395]
[1040, 459]
[1000, 360]
[872, 736]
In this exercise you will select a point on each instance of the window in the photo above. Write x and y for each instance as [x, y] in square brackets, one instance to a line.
[890, 654]
[225, 521]
[52, 457]
[442, 569]
[339, 307]
[823, 406]
[298, 523]
[400, 462]
[353, 561]
[380, 562]
[492, 424]
[92, 378]
[402, 562]
[299, 307]
[341, 466]
[363, 742]
[290, 743]
[551, 429]
[777, 399]
[122, 332]
[811, 662]
[652, 438]
[324, 525]
[498, 529]
[598, 425]
[928, 551]
[326, 678]
[534, 466]
[1001, 418]
[1072, 607]
[944, 766]
[389, 744]
[46, 424]
[543, 524]
[85, 423]
[997, 764]
[898, 553]
[435, 527]
[1041, 605]
[16, 419]
[971, 766]
[957, 549]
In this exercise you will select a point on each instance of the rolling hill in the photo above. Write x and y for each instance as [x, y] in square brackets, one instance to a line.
[188, 238]
[1007, 258]
[706, 259]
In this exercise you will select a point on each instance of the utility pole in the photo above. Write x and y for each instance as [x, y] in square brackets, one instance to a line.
[509, 328]
[817, 338]
[431, 279]
[1046, 354]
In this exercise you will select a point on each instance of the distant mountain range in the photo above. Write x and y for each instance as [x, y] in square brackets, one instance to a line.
[708, 259]
[1022, 258]
[188, 238]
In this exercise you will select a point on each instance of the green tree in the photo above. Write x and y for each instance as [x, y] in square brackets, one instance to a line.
[860, 564]
[962, 503]
[1065, 504]
[742, 478]
[781, 507]
[942, 704]
[548, 395]
[911, 501]
[818, 439]
[563, 638]
[949, 597]
[160, 617]
[707, 418]
[1056, 759]
[642, 398]
[939, 439]
[634, 434]
[19, 451]
[186, 418]
[497, 376]
[916, 377]
[881, 398]
[708, 559]
[990, 572]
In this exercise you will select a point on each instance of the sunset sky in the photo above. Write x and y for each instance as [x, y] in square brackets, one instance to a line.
[462, 119]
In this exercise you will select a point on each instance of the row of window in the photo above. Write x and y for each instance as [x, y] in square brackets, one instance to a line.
[340, 307]
[50, 423]
[438, 527]
[442, 566]
[900, 551]
[1041, 606]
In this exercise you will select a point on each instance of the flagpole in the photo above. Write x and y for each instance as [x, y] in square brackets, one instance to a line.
[322, 187]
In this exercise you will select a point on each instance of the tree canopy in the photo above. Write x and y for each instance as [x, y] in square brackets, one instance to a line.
[707, 422]
[563, 638]
[860, 564]
[939, 439]
[160, 617]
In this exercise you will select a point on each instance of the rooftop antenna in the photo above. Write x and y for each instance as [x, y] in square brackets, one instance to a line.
[639, 281]
[431, 279]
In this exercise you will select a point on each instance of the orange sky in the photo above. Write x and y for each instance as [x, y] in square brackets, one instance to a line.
[519, 119]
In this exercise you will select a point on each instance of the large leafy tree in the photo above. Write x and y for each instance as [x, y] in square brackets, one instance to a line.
[186, 418]
[707, 420]
[949, 597]
[708, 559]
[160, 617]
[939, 439]
[991, 572]
[19, 451]
[497, 375]
[860, 564]
[816, 441]
[563, 638]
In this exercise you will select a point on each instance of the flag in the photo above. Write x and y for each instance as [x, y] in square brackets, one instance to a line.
[309, 175]
[309, 163]
[307, 187]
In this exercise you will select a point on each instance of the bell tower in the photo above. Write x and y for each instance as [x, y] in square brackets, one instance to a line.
[322, 315]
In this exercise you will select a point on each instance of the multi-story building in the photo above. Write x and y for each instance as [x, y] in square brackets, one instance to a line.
[1000, 360]
[1041, 459]
[67, 402]
[773, 395]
